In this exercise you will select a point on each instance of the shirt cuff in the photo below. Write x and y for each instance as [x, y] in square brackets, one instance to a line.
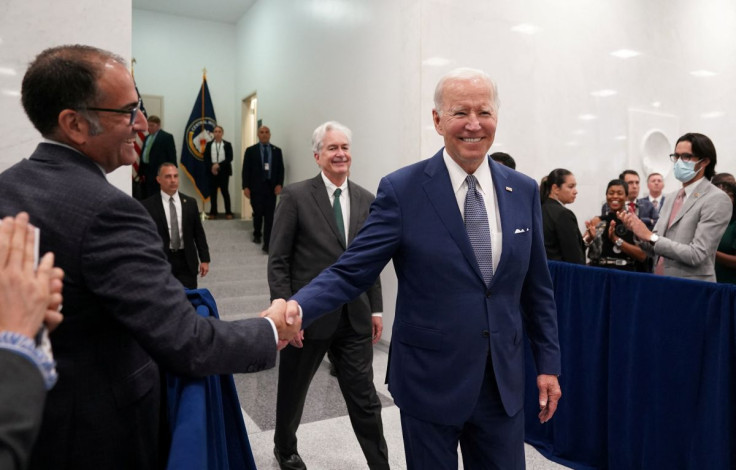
[275, 331]
[377, 314]
[26, 347]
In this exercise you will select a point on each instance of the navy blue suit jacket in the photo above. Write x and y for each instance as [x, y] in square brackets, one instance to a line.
[447, 321]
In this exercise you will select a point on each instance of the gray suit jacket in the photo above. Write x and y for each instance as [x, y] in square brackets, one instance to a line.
[689, 244]
[305, 240]
[124, 314]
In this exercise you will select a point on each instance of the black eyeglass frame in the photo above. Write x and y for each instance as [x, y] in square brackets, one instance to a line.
[687, 157]
[133, 112]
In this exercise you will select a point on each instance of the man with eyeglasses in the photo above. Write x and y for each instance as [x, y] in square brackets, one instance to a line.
[692, 220]
[125, 313]
[158, 148]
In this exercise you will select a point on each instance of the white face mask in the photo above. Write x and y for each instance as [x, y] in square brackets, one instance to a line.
[685, 171]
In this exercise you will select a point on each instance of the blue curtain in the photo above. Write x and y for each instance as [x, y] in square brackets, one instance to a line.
[648, 372]
[205, 417]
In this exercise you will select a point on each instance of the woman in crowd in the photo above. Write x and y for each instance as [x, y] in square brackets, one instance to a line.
[726, 254]
[562, 238]
[611, 245]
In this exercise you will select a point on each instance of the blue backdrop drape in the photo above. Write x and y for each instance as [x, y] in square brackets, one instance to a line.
[648, 372]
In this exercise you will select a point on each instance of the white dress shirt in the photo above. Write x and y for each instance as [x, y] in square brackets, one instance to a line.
[485, 186]
[177, 204]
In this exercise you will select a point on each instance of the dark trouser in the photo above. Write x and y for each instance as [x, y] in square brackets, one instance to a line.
[222, 182]
[180, 268]
[354, 356]
[264, 206]
[490, 439]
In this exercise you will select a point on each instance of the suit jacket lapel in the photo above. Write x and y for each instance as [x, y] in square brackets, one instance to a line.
[354, 213]
[700, 189]
[503, 196]
[163, 226]
[438, 189]
[319, 193]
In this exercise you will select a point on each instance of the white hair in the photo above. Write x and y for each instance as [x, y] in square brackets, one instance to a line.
[319, 134]
[465, 73]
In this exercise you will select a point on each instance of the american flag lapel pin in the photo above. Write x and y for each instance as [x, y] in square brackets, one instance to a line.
[509, 189]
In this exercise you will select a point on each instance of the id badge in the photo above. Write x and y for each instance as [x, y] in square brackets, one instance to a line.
[266, 166]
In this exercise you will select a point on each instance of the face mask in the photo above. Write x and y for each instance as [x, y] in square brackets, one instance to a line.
[685, 171]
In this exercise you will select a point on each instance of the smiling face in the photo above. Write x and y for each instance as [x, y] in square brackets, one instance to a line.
[467, 121]
[114, 146]
[567, 192]
[334, 156]
[616, 197]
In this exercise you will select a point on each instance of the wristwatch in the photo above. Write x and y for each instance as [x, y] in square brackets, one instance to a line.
[619, 242]
[653, 239]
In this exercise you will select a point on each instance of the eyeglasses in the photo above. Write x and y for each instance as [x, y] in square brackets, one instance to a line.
[133, 111]
[685, 157]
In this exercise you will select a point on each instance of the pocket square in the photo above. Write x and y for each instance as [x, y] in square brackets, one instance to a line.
[521, 230]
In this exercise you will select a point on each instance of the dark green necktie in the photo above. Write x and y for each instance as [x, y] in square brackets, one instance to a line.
[337, 208]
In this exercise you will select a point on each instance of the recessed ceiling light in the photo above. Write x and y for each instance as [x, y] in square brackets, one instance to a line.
[525, 28]
[572, 143]
[11, 93]
[436, 61]
[712, 115]
[603, 93]
[656, 104]
[7, 71]
[625, 53]
[587, 117]
[620, 137]
[703, 73]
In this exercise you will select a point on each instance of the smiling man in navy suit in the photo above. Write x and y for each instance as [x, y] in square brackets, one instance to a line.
[465, 237]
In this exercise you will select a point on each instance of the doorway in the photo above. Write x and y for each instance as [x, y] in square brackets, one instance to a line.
[248, 134]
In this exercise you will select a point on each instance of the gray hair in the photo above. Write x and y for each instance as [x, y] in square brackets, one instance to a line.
[465, 73]
[319, 134]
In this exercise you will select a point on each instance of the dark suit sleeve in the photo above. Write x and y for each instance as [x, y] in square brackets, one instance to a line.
[278, 170]
[22, 395]
[247, 172]
[569, 238]
[120, 246]
[280, 249]
[228, 152]
[200, 239]
[208, 157]
[170, 149]
[647, 213]
[537, 300]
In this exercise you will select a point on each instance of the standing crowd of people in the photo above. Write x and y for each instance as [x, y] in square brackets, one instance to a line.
[688, 233]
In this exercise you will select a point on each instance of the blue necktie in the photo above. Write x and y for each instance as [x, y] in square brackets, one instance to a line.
[479, 233]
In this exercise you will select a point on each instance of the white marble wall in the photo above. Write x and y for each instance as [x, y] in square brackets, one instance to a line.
[30, 26]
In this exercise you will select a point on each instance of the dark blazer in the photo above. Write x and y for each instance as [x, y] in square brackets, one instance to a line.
[162, 150]
[305, 240]
[661, 202]
[253, 174]
[22, 394]
[192, 232]
[226, 168]
[447, 320]
[562, 238]
[124, 314]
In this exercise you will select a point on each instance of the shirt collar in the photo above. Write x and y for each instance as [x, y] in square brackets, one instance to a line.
[457, 174]
[331, 187]
[56, 142]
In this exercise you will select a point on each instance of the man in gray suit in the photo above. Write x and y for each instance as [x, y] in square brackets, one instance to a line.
[314, 222]
[692, 220]
[125, 314]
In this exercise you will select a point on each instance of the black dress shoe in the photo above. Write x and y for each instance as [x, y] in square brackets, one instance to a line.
[256, 239]
[290, 462]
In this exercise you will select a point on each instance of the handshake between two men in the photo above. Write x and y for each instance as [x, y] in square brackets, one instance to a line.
[285, 316]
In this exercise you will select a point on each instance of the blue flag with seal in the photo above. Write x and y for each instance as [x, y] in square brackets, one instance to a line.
[199, 131]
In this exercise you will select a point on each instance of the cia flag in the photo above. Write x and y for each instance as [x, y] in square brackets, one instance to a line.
[199, 131]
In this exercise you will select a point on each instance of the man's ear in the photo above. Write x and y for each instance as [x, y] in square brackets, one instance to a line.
[73, 127]
[436, 120]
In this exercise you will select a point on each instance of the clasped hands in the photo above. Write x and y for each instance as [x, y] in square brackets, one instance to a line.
[285, 315]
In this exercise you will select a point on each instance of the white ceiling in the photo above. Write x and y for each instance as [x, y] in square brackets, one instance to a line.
[226, 11]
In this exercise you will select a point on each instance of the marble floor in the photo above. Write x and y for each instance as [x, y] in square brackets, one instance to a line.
[237, 280]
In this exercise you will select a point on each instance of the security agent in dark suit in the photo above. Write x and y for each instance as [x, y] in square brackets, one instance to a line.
[263, 178]
[465, 237]
[313, 220]
[125, 314]
[186, 243]
[218, 156]
[158, 147]
[30, 298]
